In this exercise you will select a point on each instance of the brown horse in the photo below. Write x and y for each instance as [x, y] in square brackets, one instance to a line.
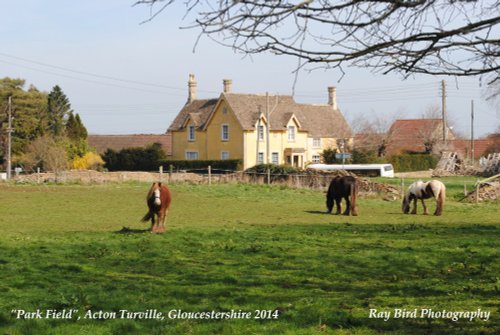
[342, 187]
[158, 200]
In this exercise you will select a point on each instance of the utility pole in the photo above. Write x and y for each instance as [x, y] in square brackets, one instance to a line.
[443, 108]
[9, 139]
[268, 154]
[472, 131]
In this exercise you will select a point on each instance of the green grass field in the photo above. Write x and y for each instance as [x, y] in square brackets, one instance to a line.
[242, 248]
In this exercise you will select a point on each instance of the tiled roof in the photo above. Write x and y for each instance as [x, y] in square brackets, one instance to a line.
[481, 146]
[197, 110]
[409, 135]
[318, 120]
[118, 142]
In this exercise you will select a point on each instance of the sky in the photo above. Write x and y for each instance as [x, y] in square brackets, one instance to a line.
[124, 76]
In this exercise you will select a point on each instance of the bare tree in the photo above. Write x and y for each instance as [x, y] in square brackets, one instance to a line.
[373, 133]
[447, 37]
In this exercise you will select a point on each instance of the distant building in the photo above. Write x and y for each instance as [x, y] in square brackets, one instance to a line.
[119, 142]
[235, 126]
[482, 147]
[416, 135]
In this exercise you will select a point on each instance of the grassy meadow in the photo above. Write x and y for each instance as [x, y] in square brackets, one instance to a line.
[243, 248]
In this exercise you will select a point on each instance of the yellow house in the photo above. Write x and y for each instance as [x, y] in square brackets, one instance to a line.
[256, 128]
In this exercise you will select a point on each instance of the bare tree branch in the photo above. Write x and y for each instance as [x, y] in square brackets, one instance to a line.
[435, 37]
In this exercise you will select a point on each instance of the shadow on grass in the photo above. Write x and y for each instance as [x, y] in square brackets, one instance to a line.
[127, 230]
[317, 212]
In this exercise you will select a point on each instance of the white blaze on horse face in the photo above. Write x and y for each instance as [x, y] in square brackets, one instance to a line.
[157, 197]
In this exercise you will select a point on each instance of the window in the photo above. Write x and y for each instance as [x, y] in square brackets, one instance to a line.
[291, 133]
[261, 133]
[260, 159]
[316, 142]
[225, 132]
[224, 155]
[191, 155]
[316, 159]
[275, 158]
[191, 133]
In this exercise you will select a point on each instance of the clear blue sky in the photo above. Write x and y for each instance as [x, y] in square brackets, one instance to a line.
[43, 40]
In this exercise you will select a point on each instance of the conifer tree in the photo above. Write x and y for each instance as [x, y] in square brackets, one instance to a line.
[58, 111]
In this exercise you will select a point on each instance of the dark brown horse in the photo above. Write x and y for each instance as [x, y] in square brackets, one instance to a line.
[342, 187]
[158, 200]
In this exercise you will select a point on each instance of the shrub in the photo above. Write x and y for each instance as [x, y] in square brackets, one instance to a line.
[135, 159]
[413, 162]
[89, 161]
[224, 165]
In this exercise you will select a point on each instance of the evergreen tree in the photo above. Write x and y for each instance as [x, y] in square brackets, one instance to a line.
[75, 130]
[28, 110]
[58, 111]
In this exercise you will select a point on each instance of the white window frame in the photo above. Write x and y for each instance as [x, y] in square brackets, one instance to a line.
[291, 133]
[316, 158]
[224, 155]
[275, 158]
[187, 153]
[224, 135]
[191, 131]
[317, 142]
[260, 158]
[261, 133]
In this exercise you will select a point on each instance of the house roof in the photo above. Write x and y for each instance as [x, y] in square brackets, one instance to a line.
[197, 110]
[409, 135]
[118, 142]
[481, 146]
[318, 120]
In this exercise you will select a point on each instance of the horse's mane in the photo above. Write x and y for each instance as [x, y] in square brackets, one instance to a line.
[152, 189]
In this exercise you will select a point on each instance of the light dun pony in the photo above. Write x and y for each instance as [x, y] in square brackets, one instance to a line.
[158, 200]
[421, 190]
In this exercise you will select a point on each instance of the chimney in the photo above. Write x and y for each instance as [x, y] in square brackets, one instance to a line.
[191, 88]
[332, 96]
[228, 85]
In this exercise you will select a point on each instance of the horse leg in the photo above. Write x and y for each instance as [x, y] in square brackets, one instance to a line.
[156, 224]
[426, 212]
[338, 203]
[347, 205]
[164, 221]
[414, 211]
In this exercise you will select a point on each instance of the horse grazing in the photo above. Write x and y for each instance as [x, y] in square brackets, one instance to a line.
[342, 187]
[421, 190]
[158, 200]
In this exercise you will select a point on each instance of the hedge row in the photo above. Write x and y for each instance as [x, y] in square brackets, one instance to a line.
[413, 162]
[227, 164]
[152, 157]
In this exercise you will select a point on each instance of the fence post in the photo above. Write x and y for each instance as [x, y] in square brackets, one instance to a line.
[402, 186]
[161, 173]
[38, 175]
[268, 176]
[465, 189]
[477, 191]
[209, 175]
[170, 170]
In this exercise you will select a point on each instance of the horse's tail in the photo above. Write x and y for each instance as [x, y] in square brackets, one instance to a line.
[354, 191]
[441, 199]
[147, 217]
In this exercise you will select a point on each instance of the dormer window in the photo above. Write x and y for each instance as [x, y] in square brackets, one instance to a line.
[191, 133]
[291, 133]
[225, 132]
[261, 133]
